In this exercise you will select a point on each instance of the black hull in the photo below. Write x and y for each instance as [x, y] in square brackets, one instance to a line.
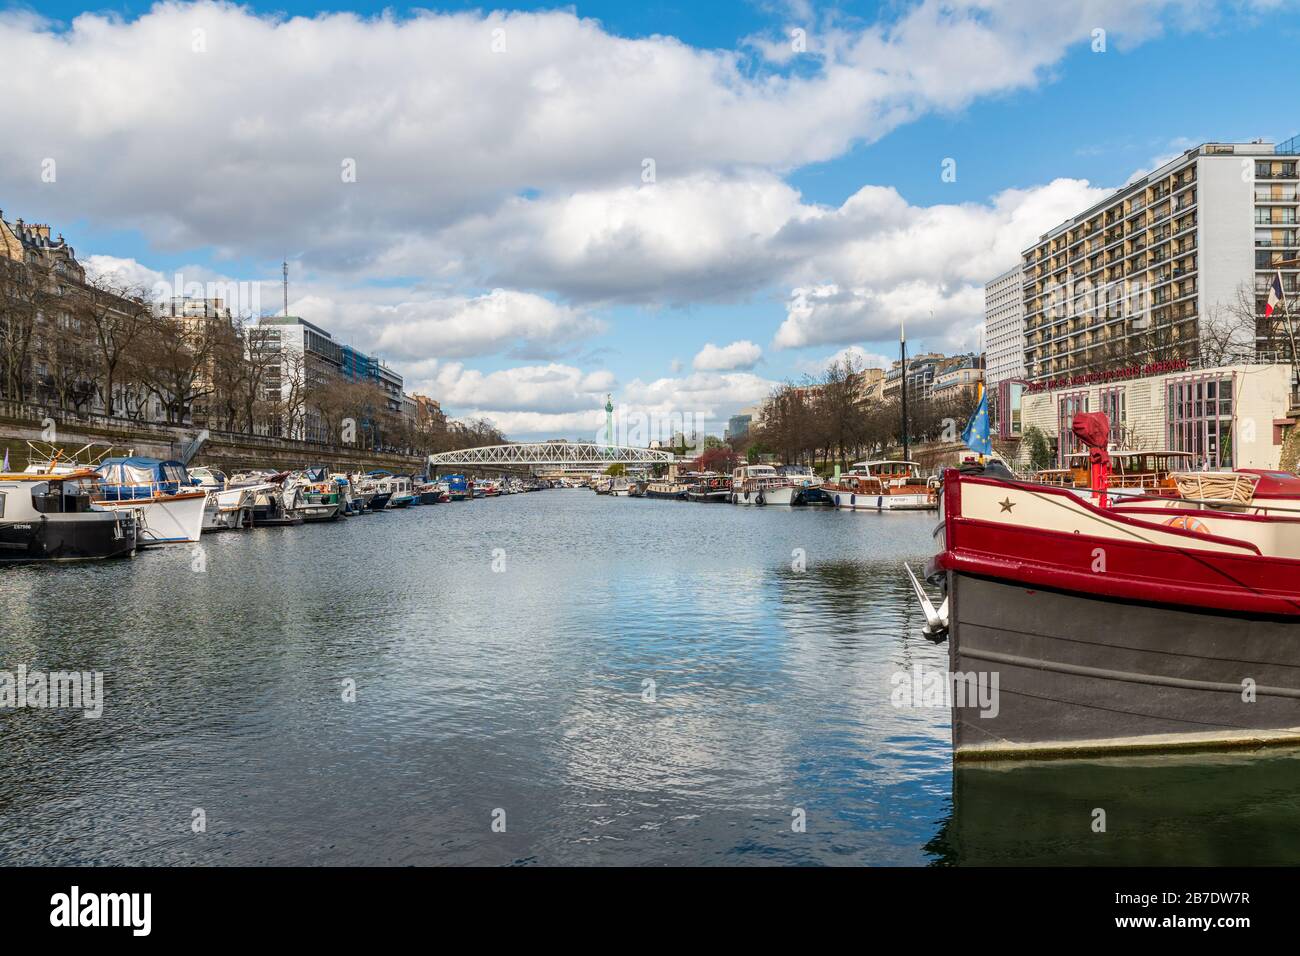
[666, 496]
[89, 536]
[1077, 673]
[379, 502]
[812, 496]
[716, 497]
[267, 516]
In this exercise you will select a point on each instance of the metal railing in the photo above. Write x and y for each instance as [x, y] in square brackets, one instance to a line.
[553, 453]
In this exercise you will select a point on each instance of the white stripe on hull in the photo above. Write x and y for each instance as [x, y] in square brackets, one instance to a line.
[850, 502]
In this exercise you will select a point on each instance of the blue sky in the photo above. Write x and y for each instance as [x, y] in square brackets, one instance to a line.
[627, 283]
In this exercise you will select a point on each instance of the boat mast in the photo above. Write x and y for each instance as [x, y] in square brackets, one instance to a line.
[902, 358]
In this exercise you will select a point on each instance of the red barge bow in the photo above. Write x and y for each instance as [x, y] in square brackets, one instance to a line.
[1147, 626]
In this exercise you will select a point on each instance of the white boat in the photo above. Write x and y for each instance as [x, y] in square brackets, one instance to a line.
[169, 508]
[270, 504]
[227, 508]
[620, 487]
[760, 485]
[883, 486]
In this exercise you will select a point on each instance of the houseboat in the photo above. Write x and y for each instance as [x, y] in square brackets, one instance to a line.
[883, 486]
[1104, 624]
[710, 488]
[760, 485]
[49, 517]
[670, 487]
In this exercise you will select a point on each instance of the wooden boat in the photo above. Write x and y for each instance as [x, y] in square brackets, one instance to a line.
[883, 486]
[1105, 623]
[711, 488]
[667, 488]
[1148, 471]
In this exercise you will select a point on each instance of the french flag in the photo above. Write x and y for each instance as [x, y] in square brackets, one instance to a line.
[1274, 294]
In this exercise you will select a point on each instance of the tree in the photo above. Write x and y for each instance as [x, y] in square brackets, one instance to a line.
[173, 361]
[64, 364]
[720, 458]
[23, 292]
[1037, 448]
[114, 315]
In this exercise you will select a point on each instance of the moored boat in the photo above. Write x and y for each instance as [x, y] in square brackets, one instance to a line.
[667, 488]
[808, 485]
[883, 486]
[711, 488]
[50, 517]
[270, 509]
[1101, 626]
[760, 485]
[227, 509]
[314, 497]
[169, 507]
[459, 488]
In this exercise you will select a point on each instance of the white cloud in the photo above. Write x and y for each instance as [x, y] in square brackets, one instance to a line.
[738, 355]
[876, 261]
[546, 389]
[858, 356]
[521, 171]
[556, 399]
[240, 147]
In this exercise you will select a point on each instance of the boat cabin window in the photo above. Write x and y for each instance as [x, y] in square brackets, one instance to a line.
[2, 504]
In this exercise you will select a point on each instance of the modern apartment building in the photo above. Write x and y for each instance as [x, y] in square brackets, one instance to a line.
[1164, 268]
[311, 359]
[1004, 329]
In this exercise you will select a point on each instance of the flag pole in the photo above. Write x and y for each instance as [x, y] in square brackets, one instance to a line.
[902, 357]
[1286, 314]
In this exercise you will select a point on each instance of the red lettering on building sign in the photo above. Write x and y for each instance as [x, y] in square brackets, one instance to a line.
[1111, 375]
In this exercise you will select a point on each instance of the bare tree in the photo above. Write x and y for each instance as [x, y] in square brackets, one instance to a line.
[114, 315]
[23, 292]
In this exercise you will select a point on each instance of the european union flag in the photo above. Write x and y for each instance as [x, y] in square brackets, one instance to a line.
[976, 435]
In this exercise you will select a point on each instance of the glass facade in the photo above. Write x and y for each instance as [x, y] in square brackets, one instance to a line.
[1067, 406]
[1199, 419]
[1113, 407]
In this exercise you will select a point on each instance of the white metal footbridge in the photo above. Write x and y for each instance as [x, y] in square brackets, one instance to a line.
[550, 455]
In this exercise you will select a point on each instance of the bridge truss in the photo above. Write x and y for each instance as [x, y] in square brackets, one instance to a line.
[542, 456]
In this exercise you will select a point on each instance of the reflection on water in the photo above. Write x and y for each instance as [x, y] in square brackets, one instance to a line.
[523, 690]
[1230, 809]
[647, 682]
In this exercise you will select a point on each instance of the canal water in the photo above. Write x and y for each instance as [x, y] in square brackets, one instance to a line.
[551, 678]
